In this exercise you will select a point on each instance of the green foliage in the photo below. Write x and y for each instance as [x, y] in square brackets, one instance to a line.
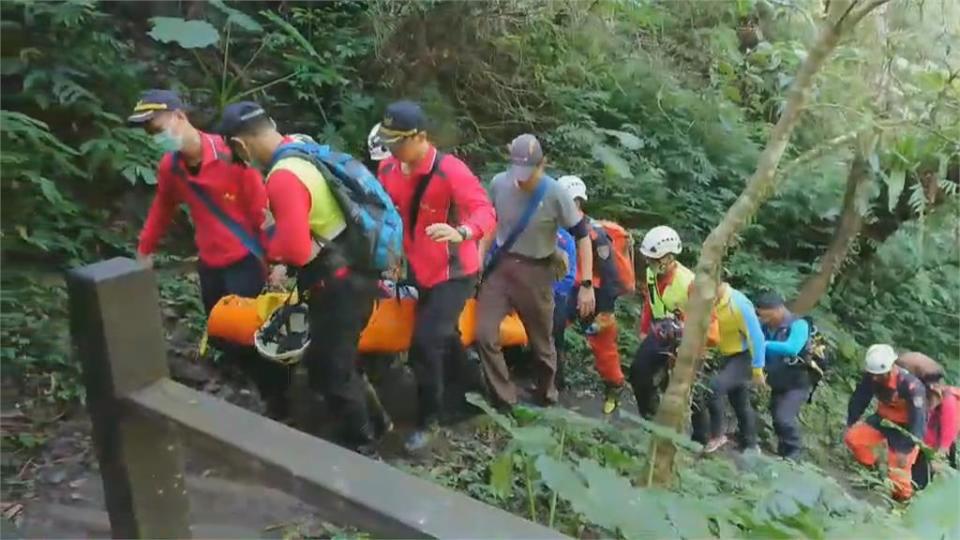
[594, 467]
[35, 337]
[70, 73]
[912, 292]
[324, 50]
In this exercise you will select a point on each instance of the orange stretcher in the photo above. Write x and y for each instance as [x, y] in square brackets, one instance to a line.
[389, 329]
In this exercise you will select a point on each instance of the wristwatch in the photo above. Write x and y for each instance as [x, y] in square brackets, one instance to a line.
[464, 232]
[588, 283]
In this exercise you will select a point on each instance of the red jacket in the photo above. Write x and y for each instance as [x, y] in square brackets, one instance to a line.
[237, 189]
[943, 423]
[454, 196]
[290, 205]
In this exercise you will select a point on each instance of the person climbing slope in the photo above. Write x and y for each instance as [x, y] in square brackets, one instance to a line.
[226, 203]
[901, 400]
[788, 376]
[314, 237]
[446, 211]
[667, 287]
[741, 346]
[601, 327]
[523, 266]
[943, 426]
[943, 415]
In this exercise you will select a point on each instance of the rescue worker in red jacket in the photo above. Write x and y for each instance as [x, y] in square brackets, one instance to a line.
[197, 170]
[601, 327]
[902, 400]
[445, 212]
[943, 415]
[312, 236]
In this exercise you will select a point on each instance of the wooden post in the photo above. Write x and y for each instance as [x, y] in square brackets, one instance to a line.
[117, 331]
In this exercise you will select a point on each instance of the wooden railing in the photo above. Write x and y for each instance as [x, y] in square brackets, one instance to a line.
[141, 418]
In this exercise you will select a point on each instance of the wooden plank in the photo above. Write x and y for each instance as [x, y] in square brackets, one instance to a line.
[360, 492]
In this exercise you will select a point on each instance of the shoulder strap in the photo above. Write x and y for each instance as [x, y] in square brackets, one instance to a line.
[653, 291]
[235, 228]
[291, 149]
[520, 226]
[421, 188]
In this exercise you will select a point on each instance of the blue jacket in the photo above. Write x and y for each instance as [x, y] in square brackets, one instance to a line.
[784, 344]
[566, 243]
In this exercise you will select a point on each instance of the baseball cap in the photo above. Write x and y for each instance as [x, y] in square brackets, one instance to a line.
[153, 102]
[402, 119]
[237, 117]
[525, 155]
[769, 300]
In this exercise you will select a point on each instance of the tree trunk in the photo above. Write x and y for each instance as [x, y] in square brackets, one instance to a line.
[675, 407]
[848, 228]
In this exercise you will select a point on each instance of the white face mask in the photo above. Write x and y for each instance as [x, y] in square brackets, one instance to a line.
[168, 141]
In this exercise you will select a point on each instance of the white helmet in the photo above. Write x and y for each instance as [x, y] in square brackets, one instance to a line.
[285, 334]
[574, 186]
[378, 152]
[659, 241]
[879, 359]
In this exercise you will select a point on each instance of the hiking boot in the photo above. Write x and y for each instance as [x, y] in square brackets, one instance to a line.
[368, 450]
[715, 444]
[611, 398]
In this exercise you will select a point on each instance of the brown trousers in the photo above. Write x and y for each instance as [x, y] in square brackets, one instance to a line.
[524, 285]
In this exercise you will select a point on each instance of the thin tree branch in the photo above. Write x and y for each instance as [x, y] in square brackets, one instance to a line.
[839, 24]
[866, 11]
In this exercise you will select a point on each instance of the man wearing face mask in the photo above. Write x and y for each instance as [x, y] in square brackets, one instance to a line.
[313, 237]
[522, 268]
[226, 203]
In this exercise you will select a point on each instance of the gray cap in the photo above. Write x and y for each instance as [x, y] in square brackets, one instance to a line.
[525, 155]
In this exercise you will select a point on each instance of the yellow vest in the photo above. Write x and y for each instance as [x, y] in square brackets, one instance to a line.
[674, 297]
[734, 336]
[326, 216]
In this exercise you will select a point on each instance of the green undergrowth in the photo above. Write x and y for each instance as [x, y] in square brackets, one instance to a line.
[41, 376]
[585, 477]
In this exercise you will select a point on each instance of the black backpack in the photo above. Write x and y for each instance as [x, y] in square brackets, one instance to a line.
[818, 355]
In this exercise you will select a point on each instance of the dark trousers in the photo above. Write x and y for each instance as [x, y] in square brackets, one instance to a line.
[340, 301]
[246, 278]
[649, 374]
[525, 285]
[733, 381]
[785, 410]
[922, 472]
[437, 354]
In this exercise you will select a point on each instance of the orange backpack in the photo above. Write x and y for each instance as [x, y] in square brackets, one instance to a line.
[622, 253]
[512, 332]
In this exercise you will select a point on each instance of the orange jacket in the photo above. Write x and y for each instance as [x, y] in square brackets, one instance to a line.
[902, 400]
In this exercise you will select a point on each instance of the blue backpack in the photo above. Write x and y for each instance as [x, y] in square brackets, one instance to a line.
[366, 206]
